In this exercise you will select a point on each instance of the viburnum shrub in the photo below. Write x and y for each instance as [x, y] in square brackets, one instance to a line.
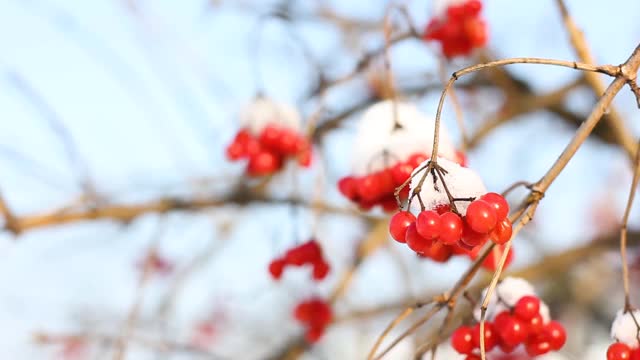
[624, 331]
[270, 135]
[458, 28]
[315, 314]
[515, 316]
[389, 145]
[455, 214]
[308, 253]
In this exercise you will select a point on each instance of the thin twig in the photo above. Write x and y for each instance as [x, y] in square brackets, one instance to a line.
[623, 230]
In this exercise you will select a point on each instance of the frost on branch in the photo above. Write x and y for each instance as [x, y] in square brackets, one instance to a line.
[462, 182]
[624, 328]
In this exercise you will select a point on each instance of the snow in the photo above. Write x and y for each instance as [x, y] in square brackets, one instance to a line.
[375, 133]
[462, 182]
[624, 328]
[440, 6]
[509, 290]
[262, 111]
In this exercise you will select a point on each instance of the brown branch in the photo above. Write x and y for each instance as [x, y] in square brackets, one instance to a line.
[136, 306]
[616, 123]
[128, 212]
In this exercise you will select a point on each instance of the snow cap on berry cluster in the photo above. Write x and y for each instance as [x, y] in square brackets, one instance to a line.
[506, 295]
[440, 6]
[262, 111]
[624, 328]
[462, 182]
[376, 132]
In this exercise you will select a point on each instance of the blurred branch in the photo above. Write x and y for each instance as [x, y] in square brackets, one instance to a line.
[128, 212]
[162, 345]
[136, 306]
[56, 124]
[615, 122]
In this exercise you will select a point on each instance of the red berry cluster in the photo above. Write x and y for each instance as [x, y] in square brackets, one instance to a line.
[315, 314]
[378, 188]
[460, 30]
[523, 324]
[268, 151]
[303, 254]
[622, 351]
[441, 232]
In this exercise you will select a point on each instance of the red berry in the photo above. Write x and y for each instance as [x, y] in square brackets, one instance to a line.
[635, 354]
[511, 330]
[461, 158]
[288, 142]
[538, 346]
[252, 146]
[307, 252]
[385, 178]
[370, 187]
[618, 351]
[507, 349]
[491, 262]
[476, 32]
[303, 311]
[399, 223]
[276, 267]
[472, 357]
[490, 337]
[442, 208]
[462, 340]
[401, 172]
[428, 224]
[481, 216]
[263, 163]
[440, 252]
[456, 12]
[535, 325]
[472, 7]
[470, 237]
[416, 159]
[527, 307]
[389, 204]
[556, 334]
[502, 232]
[305, 157]
[451, 227]
[320, 269]
[416, 242]
[500, 205]
[314, 334]
[348, 186]
[235, 151]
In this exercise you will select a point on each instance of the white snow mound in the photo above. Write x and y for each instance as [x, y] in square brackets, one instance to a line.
[624, 328]
[375, 133]
[462, 182]
[262, 111]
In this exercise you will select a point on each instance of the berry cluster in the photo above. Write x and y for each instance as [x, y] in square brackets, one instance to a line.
[624, 330]
[515, 316]
[459, 30]
[440, 232]
[303, 254]
[315, 314]
[268, 151]
[378, 188]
